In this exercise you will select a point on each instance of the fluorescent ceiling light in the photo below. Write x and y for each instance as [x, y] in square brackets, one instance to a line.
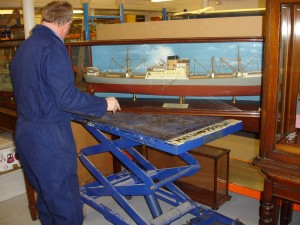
[161, 0]
[6, 11]
[77, 11]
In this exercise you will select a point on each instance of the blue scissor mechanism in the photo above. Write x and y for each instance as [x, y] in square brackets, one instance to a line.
[139, 177]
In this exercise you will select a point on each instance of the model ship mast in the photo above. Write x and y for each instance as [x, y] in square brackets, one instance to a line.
[128, 69]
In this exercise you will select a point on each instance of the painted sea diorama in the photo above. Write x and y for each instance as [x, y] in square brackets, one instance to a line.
[182, 69]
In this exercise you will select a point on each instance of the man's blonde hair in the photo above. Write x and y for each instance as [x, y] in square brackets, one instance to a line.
[57, 12]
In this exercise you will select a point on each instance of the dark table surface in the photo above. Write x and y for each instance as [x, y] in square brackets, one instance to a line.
[173, 134]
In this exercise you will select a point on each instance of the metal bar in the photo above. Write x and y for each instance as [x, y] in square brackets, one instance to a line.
[164, 14]
[106, 212]
[86, 21]
[87, 18]
[153, 205]
[174, 214]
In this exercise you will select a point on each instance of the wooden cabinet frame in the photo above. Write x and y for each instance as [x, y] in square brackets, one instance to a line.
[279, 155]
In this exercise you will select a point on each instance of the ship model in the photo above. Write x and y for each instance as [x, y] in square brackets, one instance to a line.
[174, 78]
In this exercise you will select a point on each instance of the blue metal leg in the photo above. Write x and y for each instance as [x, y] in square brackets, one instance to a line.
[153, 205]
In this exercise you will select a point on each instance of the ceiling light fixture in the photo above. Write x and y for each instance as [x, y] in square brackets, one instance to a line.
[6, 11]
[77, 11]
[161, 0]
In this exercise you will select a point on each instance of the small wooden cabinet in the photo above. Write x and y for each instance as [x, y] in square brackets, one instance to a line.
[279, 154]
[209, 185]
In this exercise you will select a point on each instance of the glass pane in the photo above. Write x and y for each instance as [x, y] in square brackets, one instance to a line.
[288, 99]
[297, 36]
[283, 63]
[222, 172]
[81, 59]
[80, 55]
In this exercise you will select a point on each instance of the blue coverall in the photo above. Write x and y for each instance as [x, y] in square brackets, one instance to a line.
[43, 83]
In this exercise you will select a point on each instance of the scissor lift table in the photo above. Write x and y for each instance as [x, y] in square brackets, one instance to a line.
[175, 134]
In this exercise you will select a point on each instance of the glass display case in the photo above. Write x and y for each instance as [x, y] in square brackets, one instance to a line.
[209, 186]
[279, 155]
[7, 51]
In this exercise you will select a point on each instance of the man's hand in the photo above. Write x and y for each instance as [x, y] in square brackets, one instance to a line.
[112, 104]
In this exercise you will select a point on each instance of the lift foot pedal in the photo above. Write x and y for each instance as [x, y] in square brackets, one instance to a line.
[213, 218]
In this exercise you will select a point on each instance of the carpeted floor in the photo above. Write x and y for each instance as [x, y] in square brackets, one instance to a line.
[15, 211]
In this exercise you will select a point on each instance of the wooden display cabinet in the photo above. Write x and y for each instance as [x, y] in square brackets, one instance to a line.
[7, 51]
[209, 185]
[279, 155]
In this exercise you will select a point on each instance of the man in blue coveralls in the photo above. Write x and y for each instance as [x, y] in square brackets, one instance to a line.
[45, 95]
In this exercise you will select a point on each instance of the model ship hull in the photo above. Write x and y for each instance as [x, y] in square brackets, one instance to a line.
[233, 86]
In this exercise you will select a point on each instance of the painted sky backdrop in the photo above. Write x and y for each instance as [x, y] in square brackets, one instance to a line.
[143, 56]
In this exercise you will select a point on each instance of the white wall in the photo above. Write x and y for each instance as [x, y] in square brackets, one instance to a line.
[246, 26]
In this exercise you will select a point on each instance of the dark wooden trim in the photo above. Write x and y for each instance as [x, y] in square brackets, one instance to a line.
[165, 41]
[260, 12]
